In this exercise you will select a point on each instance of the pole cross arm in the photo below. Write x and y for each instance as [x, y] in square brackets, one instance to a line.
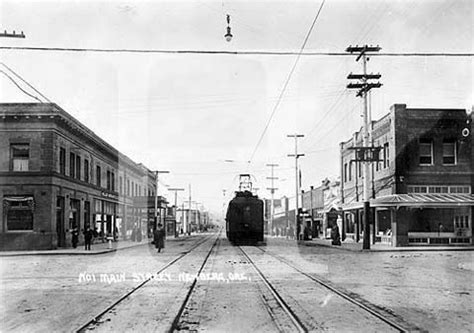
[367, 87]
[370, 76]
[12, 35]
[362, 50]
[297, 155]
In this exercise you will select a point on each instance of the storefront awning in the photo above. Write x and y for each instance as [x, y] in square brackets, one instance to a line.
[417, 200]
[331, 204]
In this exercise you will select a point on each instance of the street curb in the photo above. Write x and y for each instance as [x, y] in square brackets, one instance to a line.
[327, 245]
[70, 253]
[395, 249]
[74, 252]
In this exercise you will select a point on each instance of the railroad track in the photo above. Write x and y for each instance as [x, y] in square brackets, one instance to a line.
[177, 322]
[295, 321]
[96, 319]
[283, 317]
[384, 315]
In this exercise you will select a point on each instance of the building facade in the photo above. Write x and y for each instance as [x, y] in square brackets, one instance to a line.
[56, 175]
[421, 187]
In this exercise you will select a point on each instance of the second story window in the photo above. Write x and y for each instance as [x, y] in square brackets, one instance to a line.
[78, 167]
[449, 152]
[62, 161]
[386, 155]
[20, 154]
[109, 186]
[426, 151]
[97, 176]
[72, 165]
[86, 170]
[120, 185]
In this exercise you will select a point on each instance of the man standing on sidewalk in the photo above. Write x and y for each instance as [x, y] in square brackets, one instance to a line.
[88, 233]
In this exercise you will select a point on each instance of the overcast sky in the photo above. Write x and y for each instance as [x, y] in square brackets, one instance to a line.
[189, 113]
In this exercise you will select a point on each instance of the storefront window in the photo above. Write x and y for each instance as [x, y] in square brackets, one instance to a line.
[19, 213]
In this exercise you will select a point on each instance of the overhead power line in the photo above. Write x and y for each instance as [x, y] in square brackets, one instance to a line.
[221, 52]
[27, 83]
[18, 86]
[286, 82]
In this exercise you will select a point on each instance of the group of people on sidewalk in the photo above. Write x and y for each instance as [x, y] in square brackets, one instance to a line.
[89, 234]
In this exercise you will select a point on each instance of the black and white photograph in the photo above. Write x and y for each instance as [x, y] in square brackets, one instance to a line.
[236, 166]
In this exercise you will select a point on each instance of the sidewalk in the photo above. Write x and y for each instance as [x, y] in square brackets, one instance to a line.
[350, 245]
[96, 248]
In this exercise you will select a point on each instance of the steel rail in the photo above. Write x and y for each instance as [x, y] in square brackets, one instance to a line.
[294, 318]
[174, 324]
[342, 294]
[122, 298]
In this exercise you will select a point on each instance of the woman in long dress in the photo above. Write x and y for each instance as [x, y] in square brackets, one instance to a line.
[159, 237]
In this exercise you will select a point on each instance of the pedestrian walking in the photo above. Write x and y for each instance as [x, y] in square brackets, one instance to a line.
[335, 235]
[159, 237]
[88, 234]
[75, 237]
[134, 234]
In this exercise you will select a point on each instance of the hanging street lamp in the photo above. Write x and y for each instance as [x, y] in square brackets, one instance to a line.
[228, 36]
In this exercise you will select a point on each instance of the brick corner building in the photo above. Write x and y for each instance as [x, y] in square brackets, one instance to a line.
[56, 175]
[421, 188]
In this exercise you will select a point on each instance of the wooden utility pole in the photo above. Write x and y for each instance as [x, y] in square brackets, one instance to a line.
[272, 191]
[296, 156]
[175, 190]
[365, 154]
[156, 199]
[188, 224]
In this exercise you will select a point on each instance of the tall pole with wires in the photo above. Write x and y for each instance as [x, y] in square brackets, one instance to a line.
[156, 197]
[272, 191]
[188, 222]
[296, 156]
[175, 190]
[365, 154]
